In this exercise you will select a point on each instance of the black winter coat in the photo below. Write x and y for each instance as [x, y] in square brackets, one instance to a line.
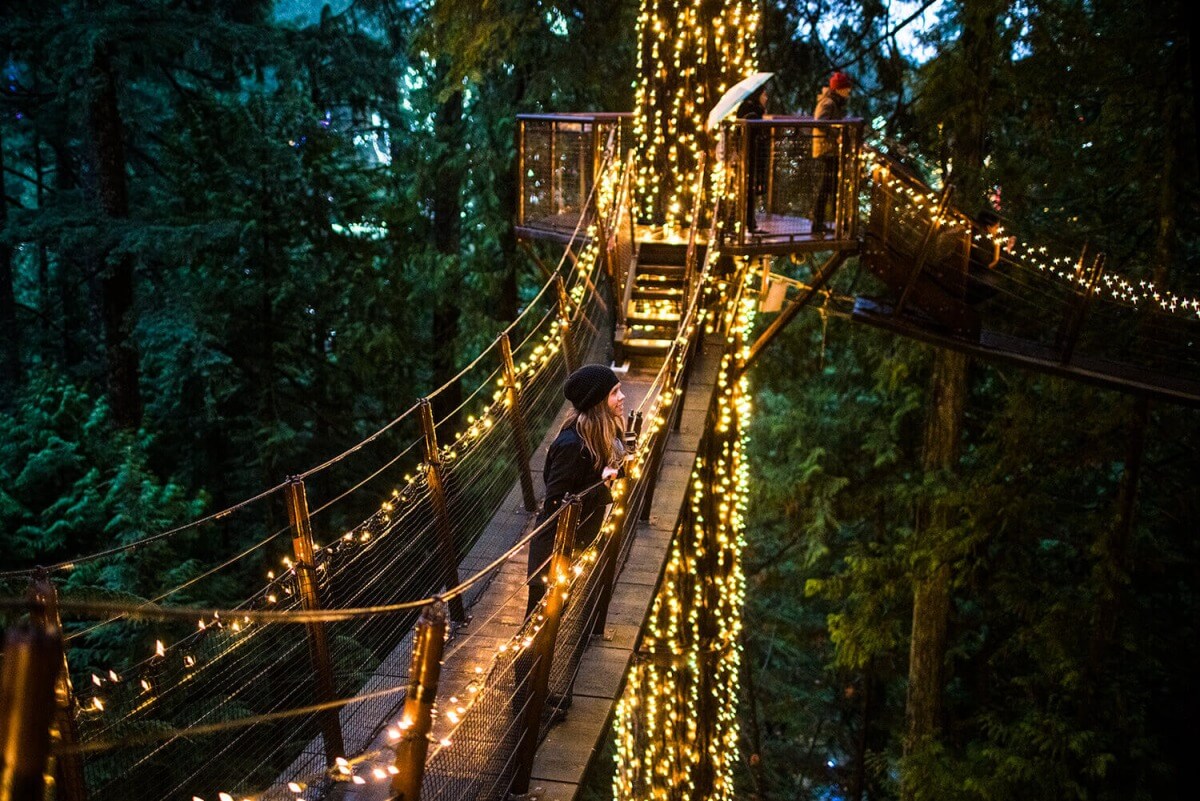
[570, 468]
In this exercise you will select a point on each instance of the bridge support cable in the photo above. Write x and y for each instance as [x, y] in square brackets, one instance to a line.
[564, 322]
[441, 508]
[318, 640]
[417, 718]
[835, 261]
[537, 678]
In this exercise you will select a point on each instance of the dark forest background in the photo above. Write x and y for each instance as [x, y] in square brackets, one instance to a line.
[237, 237]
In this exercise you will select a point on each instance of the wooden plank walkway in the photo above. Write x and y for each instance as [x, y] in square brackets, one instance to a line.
[571, 746]
[498, 611]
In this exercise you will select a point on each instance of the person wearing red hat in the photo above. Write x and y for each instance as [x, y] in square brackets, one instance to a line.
[831, 105]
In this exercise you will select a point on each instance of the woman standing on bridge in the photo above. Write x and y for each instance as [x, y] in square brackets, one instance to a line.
[584, 457]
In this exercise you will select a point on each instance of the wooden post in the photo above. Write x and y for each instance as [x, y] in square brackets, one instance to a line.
[538, 680]
[1069, 334]
[520, 172]
[423, 674]
[611, 553]
[520, 438]
[441, 509]
[29, 677]
[318, 641]
[70, 783]
[564, 319]
[923, 253]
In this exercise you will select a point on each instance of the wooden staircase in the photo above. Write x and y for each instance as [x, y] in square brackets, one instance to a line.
[653, 302]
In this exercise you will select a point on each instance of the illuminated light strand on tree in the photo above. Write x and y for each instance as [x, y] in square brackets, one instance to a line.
[687, 678]
[689, 53]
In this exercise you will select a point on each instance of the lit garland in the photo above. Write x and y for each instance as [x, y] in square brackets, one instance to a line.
[1066, 268]
[676, 724]
[689, 53]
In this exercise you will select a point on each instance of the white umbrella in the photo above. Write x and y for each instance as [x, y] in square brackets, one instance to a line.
[733, 98]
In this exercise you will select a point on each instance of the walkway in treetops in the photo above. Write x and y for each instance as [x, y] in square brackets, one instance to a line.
[229, 708]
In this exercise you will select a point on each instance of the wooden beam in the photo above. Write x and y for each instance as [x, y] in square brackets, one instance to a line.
[836, 259]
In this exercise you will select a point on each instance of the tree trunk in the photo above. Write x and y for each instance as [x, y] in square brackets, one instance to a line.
[10, 344]
[117, 283]
[447, 236]
[506, 195]
[931, 595]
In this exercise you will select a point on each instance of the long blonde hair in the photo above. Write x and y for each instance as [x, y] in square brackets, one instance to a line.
[601, 432]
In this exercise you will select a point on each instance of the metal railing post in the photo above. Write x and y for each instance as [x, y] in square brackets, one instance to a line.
[441, 509]
[555, 206]
[564, 322]
[543, 643]
[29, 679]
[520, 437]
[70, 783]
[417, 719]
[310, 599]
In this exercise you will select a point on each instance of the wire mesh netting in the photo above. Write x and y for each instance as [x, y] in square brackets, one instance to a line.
[561, 157]
[243, 672]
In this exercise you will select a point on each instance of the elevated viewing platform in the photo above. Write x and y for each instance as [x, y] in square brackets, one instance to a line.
[767, 164]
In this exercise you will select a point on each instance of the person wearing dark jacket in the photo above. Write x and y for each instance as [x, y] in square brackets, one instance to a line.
[585, 455]
[753, 108]
[831, 105]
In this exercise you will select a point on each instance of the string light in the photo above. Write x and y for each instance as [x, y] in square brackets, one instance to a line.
[687, 58]
[659, 743]
[1066, 268]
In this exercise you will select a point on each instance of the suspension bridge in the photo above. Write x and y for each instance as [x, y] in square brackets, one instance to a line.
[392, 658]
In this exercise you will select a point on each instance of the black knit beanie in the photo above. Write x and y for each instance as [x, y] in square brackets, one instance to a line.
[589, 385]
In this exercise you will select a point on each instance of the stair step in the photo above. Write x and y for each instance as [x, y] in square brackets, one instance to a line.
[674, 270]
[657, 293]
[662, 252]
[639, 345]
[652, 331]
[654, 317]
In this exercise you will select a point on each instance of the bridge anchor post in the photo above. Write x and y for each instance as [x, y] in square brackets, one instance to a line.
[310, 599]
[70, 784]
[520, 436]
[441, 509]
[564, 319]
[537, 681]
[417, 719]
[29, 682]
